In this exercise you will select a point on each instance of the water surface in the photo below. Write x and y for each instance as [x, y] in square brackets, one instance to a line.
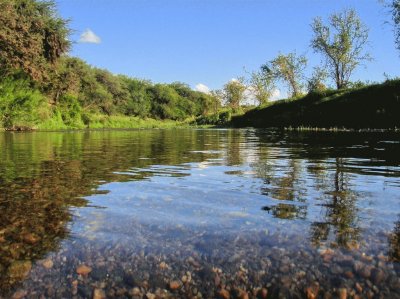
[299, 214]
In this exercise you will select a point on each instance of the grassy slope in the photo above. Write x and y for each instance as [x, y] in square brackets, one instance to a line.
[100, 121]
[374, 106]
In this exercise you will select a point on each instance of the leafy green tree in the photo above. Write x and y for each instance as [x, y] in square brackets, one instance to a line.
[234, 92]
[139, 102]
[317, 80]
[342, 42]
[20, 104]
[32, 37]
[217, 99]
[261, 85]
[395, 7]
[289, 68]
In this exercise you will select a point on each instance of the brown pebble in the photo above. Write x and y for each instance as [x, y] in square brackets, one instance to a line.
[174, 285]
[31, 238]
[135, 291]
[19, 294]
[349, 274]
[359, 287]
[378, 276]
[74, 287]
[150, 296]
[312, 291]
[365, 272]
[263, 293]
[193, 262]
[18, 270]
[99, 294]
[243, 294]
[120, 292]
[217, 280]
[342, 293]
[48, 264]
[224, 294]
[163, 266]
[83, 270]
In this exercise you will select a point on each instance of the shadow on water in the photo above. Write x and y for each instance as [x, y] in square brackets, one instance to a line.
[250, 201]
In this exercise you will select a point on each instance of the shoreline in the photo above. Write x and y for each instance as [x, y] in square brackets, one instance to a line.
[289, 129]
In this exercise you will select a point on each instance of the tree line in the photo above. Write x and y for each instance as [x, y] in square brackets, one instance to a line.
[342, 42]
[39, 80]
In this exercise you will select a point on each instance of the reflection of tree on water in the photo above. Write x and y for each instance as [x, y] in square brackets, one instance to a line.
[42, 176]
[235, 139]
[34, 214]
[285, 185]
[394, 243]
[341, 213]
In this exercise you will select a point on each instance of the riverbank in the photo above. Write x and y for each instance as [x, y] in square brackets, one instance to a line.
[98, 121]
[372, 107]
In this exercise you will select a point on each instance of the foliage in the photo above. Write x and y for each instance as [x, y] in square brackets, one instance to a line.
[317, 80]
[342, 42]
[395, 5]
[372, 106]
[261, 85]
[220, 118]
[288, 68]
[233, 93]
[32, 37]
[20, 104]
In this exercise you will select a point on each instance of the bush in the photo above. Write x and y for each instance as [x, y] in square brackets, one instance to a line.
[20, 104]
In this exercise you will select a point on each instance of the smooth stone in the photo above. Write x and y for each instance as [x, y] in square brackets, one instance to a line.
[378, 276]
[342, 293]
[19, 294]
[359, 287]
[224, 294]
[48, 264]
[99, 294]
[312, 291]
[263, 293]
[19, 269]
[174, 285]
[150, 296]
[83, 270]
[135, 291]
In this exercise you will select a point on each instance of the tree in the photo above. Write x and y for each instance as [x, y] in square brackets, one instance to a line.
[317, 80]
[32, 37]
[261, 85]
[395, 5]
[217, 99]
[342, 42]
[234, 92]
[288, 68]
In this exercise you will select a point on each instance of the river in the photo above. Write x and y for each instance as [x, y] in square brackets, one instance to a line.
[199, 213]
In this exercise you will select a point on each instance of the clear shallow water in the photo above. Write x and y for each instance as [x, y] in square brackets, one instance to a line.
[299, 214]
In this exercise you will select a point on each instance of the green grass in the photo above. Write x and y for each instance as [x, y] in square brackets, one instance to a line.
[101, 121]
[372, 107]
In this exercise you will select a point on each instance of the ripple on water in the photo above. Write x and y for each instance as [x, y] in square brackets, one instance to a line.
[200, 211]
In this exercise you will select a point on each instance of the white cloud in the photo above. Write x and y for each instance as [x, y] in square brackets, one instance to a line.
[202, 88]
[276, 94]
[88, 36]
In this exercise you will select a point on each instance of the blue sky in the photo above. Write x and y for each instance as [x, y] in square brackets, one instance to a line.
[210, 41]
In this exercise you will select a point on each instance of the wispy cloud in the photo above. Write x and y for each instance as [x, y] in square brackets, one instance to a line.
[88, 36]
[202, 87]
[276, 94]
